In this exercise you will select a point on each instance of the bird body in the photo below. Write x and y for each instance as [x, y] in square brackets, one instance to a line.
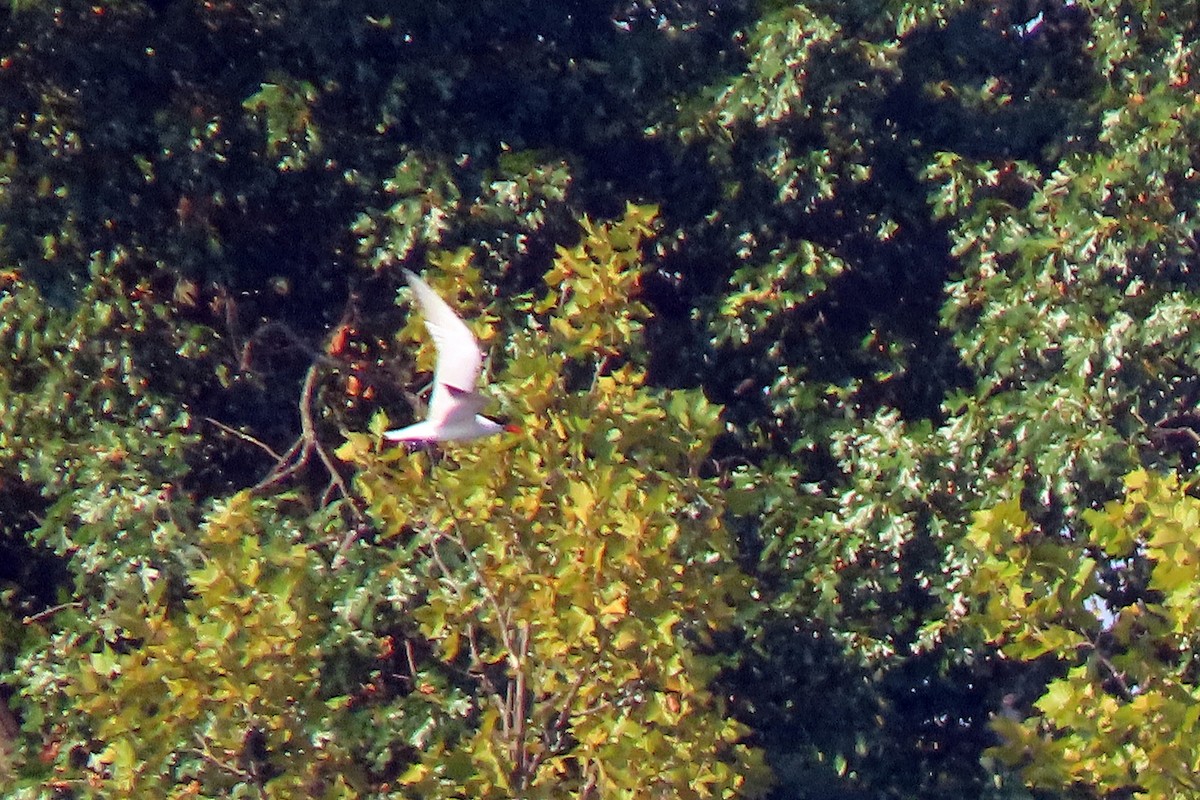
[455, 403]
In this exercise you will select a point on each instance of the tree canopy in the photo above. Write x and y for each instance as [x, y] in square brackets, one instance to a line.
[851, 345]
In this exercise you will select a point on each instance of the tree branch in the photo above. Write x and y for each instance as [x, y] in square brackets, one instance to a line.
[245, 437]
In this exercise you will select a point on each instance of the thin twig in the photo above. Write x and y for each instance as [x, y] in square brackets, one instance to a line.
[557, 725]
[411, 658]
[207, 755]
[1126, 693]
[485, 682]
[49, 612]
[245, 437]
[506, 719]
[298, 455]
[601, 366]
[513, 706]
[353, 534]
[278, 327]
[447, 575]
[591, 775]
[502, 616]
[301, 450]
[520, 772]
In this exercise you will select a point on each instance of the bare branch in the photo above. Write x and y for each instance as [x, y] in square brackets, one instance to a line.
[245, 437]
[521, 772]
[49, 612]
[203, 751]
[300, 453]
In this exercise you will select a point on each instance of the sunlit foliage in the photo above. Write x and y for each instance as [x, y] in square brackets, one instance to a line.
[561, 573]
[540, 608]
[1116, 608]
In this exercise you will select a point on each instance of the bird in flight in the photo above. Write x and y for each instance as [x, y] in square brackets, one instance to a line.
[456, 402]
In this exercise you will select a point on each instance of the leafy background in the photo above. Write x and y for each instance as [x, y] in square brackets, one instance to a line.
[852, 346]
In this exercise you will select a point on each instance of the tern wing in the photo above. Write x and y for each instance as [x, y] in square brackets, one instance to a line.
[417, 432]
[458, 357]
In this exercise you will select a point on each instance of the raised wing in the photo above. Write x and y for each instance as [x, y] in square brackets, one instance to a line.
[458, 357]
